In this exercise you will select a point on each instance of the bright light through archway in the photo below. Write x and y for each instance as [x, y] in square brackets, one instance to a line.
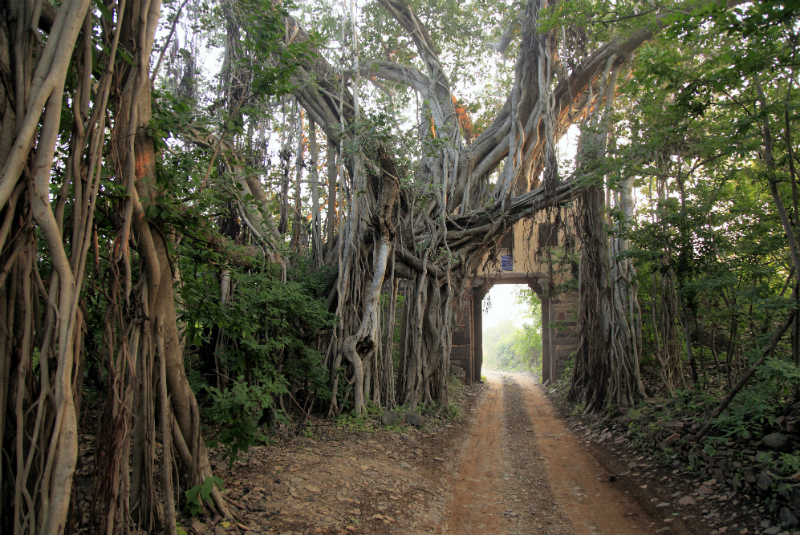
[512, 335]
[502, 305]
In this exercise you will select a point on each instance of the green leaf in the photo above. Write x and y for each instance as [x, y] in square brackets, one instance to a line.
[121, 52]
[104, 12]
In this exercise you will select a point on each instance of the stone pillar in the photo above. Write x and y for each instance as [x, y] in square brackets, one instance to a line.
[477, 333]
[546, 366]
[564, 339]
[461, 349]
[470, 369]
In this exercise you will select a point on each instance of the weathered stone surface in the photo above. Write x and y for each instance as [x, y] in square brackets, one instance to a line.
[749, 475]
[687, 500]
[198, 527]
[412, 418]
[788, 518]
[776, 441]
[404, 464]
[389, 418]
[406, 438]
[764, 481]
[719, 474]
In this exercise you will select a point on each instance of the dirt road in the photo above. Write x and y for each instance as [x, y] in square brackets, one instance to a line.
[508, 465]
[523, 471]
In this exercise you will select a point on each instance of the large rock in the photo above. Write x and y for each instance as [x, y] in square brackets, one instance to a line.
[788, 518]
[389, 418]
[777, 442]
[412, 418]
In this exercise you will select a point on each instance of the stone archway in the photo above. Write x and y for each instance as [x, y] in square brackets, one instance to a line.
[516, 263]
[559, 328]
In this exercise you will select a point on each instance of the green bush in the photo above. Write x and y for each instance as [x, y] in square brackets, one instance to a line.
[262, 338]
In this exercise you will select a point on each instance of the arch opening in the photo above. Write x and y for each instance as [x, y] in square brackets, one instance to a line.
[512, 330]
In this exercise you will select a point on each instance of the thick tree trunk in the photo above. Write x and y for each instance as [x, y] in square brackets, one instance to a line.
[593, 372]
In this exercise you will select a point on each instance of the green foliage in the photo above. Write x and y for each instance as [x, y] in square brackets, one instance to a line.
[452, 411]
[262, 337]
[788, 464]
[236, 409]
[755, 408]
[750, 411]
[361, 422]
[265, 29]
[782, 376]
[202, 492]
[691, 134]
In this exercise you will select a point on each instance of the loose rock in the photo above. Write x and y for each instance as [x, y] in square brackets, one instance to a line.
[389, 418]
[788, 518]
[412, 418]
[764, 481]
[776, 441]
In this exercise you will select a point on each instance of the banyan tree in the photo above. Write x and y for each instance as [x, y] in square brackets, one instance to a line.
[76, 89]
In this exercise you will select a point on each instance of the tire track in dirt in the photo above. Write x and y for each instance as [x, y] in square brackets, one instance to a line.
[502, 487]
[476, 505]
[524, 472]
[581, 485]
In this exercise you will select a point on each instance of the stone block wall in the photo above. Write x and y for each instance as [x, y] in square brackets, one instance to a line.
[461, 355]
[560, 336]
